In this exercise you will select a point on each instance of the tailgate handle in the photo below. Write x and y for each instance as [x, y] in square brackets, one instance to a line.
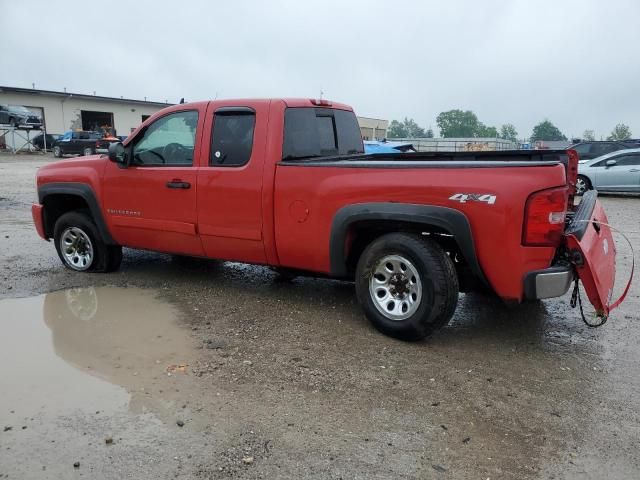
[177, 183]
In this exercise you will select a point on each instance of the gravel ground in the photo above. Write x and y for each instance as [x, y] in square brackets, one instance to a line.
[203, 369]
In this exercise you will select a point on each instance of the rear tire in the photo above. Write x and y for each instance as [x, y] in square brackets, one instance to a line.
[407, 286]
[583, 184]
[87, 151]
[80, 246]
[57, 152]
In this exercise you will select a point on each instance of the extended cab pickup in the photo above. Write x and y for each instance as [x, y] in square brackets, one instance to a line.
[285, 183]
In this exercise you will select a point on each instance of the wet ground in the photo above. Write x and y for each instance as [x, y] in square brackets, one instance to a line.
[199, 369]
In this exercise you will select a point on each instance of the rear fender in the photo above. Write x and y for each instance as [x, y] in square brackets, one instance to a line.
[453, 221]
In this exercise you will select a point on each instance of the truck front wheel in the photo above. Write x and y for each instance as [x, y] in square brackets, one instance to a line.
[80, 246]
[407, 285]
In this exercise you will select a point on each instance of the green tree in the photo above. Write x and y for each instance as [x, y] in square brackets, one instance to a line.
[509, 132]
[621, 132]
[485, 132]
[458, 123]
[588, 135]
[429, 133]
[408, 128]
[546, 131]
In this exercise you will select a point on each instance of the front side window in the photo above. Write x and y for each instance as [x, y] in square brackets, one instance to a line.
[170, 140]
[232, 138]
[628, 160]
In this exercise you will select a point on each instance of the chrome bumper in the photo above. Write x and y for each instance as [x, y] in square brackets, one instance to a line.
[548, 283]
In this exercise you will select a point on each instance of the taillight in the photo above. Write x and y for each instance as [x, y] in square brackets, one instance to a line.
[97, 143]
[544, 217]
[572, 169]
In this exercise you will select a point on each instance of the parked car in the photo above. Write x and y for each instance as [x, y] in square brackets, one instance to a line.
[19, 116]
[81, 142]
[615, 172]
[39, 141]
[375, 146]
[285, 183]
[590, 150]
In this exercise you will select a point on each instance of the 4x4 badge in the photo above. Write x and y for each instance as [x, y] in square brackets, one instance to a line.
[473, 197]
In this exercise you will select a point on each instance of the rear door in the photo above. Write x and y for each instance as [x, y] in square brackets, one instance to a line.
[152, 203]
[230, 219]
[594, 252]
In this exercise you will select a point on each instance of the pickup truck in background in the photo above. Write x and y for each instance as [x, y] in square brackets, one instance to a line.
[80, 142]
[285, 183]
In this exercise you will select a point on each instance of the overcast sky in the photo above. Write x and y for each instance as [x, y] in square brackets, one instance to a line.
[575, 62]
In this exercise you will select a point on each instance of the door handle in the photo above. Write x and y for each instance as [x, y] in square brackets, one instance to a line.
[177, 183]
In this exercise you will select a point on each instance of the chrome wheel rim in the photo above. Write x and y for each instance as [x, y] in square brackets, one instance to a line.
[581, 185]
[87, 152]
[76, 248]
[395, 287]
[56, 150]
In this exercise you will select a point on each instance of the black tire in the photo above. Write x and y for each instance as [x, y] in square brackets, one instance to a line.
[114, 258]
[104, 258]
[12, 122]
[57, 151]
[437, 276]
[87, 151]
[586, 182]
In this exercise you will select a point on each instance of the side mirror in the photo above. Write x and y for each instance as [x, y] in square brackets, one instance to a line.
[611, 163]
[117, 153]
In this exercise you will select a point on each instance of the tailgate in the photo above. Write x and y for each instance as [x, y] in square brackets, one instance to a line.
[593, 251]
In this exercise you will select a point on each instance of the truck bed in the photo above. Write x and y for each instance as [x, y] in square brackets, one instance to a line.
[506, 158]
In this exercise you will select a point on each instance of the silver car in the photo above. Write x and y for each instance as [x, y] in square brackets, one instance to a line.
[617, 171]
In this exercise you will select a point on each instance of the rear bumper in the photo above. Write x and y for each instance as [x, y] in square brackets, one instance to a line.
[547, 283]
[36, 213]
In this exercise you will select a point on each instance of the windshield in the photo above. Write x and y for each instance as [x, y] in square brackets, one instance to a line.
[19, 109]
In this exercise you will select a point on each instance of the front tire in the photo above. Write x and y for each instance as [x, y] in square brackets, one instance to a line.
[407, 286]
[582, 185]
[87, 151]
[57, 152]
[80, 246]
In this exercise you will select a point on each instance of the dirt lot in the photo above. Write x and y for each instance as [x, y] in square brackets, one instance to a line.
[201, 369]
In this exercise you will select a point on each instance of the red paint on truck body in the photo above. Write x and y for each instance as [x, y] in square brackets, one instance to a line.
[267, 212]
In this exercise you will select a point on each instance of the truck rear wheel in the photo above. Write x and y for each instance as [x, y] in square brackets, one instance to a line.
[80, 246]
[407, 285]
[57, 151]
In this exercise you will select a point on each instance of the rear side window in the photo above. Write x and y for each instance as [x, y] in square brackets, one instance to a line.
[232, 138]
[316, 132]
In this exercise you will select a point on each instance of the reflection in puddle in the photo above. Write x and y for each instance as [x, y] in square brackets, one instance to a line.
[86, 349]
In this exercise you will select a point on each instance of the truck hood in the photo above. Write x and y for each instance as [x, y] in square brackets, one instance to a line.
[79, 170]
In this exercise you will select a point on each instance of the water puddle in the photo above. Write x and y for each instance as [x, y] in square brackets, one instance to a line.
[84, 350]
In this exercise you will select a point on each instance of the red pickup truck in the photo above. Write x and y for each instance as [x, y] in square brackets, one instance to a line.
[285, 183]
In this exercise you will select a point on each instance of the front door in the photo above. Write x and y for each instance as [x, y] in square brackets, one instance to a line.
[152, 203]
[623, 176]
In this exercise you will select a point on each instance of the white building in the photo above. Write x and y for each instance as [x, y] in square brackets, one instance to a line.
[62, 111]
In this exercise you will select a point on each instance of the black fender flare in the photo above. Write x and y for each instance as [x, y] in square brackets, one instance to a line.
[448, 219]
[87, 194]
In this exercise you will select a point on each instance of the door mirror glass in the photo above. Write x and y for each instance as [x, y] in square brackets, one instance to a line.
[611, 163]
[117, 153]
